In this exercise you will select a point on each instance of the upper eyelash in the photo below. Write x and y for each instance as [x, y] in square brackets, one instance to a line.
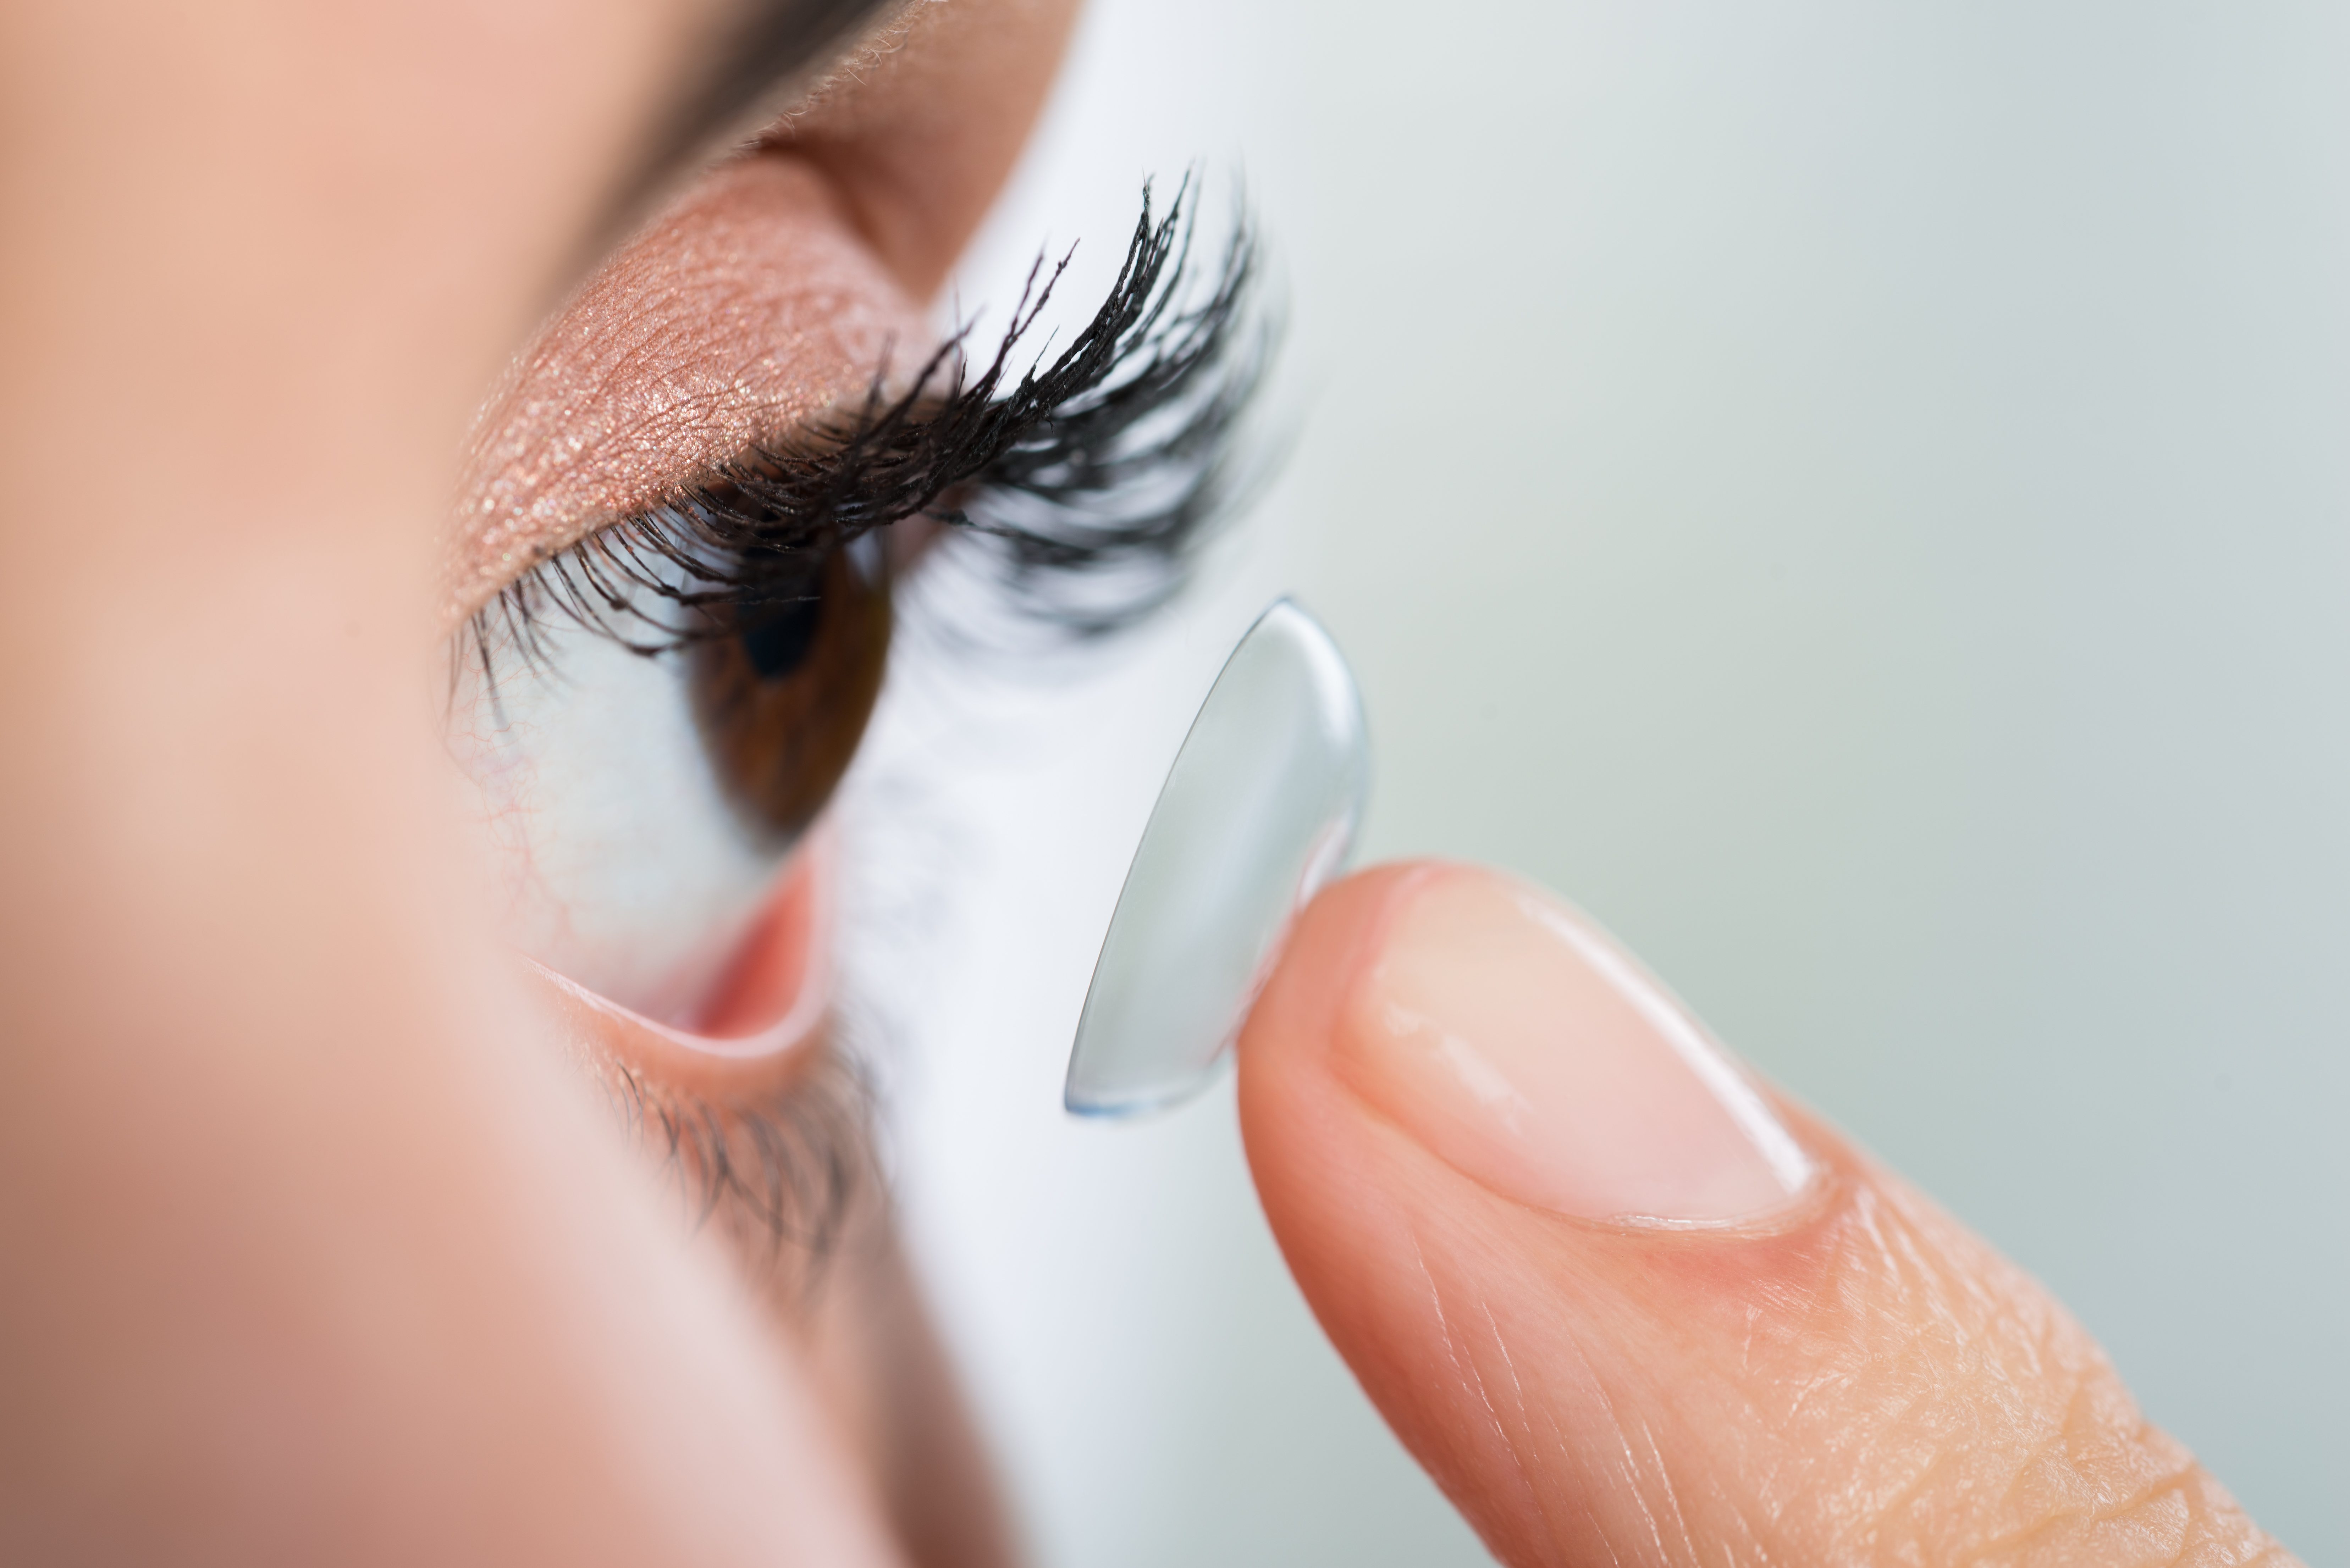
[1113, 454]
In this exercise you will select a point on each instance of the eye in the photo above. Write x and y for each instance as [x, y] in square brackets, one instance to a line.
[650, 776]
[657, 715]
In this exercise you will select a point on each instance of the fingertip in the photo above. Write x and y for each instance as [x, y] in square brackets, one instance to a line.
[1594, 1273]
[1504, 1033]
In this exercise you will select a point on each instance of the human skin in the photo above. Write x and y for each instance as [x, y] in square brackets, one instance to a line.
[321, 1246]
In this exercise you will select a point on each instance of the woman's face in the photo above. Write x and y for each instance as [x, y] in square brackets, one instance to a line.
[451, 340]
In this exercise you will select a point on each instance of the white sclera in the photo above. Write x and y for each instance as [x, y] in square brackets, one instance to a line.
[626, 867]
[1258, 812]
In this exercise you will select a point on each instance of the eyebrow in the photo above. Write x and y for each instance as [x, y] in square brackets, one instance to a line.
[768, 42]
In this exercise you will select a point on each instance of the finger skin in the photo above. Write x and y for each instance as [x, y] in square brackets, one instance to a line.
[1855, 1380]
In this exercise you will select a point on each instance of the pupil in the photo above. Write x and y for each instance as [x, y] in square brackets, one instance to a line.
[776, 638]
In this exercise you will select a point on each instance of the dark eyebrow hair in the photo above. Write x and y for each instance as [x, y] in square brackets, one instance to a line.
[767, 42]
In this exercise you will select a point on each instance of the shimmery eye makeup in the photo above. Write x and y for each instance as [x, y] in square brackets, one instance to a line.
[1102, 463]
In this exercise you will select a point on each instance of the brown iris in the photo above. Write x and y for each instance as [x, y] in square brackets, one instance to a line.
[784, 684]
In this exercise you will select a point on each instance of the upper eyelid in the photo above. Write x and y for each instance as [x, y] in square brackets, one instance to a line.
[1152, 339]
[749, 307]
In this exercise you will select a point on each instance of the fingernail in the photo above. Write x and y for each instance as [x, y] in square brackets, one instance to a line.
[1516, 1041]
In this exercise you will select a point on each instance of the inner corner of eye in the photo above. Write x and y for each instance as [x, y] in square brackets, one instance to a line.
[661, 800]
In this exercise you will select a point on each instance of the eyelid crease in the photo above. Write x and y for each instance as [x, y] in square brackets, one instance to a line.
[780, 60]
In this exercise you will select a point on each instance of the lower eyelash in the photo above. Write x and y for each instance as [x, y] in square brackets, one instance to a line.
[791, 1166]
[1109, 460]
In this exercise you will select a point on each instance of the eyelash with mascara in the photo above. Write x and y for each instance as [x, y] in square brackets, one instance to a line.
[1105, 462]
[1084, 484]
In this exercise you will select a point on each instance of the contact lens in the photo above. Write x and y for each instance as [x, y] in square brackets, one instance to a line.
[1258, 812]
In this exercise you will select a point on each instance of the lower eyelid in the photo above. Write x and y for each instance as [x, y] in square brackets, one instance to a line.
[773, 1011]
[770, 1130]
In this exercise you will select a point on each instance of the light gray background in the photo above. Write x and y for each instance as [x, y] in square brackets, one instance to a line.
[1855, 495]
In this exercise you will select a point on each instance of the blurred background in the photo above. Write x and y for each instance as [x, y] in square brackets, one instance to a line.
[1855, 496]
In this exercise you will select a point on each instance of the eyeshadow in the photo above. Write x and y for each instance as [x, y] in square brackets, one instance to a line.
[743, 312]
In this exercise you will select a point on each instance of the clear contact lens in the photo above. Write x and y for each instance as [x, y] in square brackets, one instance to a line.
[1258, 812]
